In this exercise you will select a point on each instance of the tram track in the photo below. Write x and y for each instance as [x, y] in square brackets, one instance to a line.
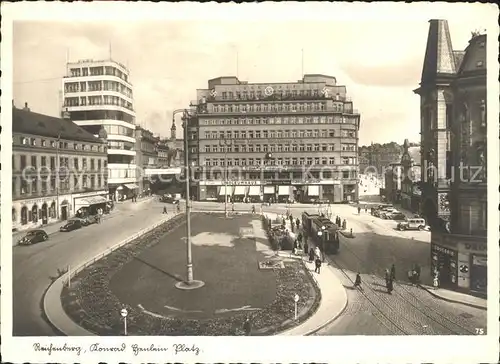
[446, 324]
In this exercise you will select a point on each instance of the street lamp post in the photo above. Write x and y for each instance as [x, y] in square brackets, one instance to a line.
[225, 143]
[267, 157]
[190, 282]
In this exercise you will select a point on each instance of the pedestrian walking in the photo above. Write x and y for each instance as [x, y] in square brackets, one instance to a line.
[359, 210]
[165, 210]
[357, 281]
[299, 238]
[306, 248]
[297, 222]
[390, 286]
[344, 224]
[247, 326]
[393, 272]
[317, 253]
[318, 266]
[311, 254]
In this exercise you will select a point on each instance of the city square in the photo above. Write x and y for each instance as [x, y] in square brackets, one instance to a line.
[269, 192]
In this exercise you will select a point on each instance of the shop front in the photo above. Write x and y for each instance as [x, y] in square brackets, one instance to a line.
[312, 193]
[444, 261]
[131, 190]
[269, 193]
[284, 193]
[239, 194]
[254, 194]
[89, 205]
[461, 261]
[225, 191]
[34, 213]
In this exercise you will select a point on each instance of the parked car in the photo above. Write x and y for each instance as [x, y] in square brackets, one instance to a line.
[397, 216]
[33, 237]
[168, 198]
[380, 210]
[71, 225]
[89, 220]
[412, 224]
[376, 209]
[386, 213]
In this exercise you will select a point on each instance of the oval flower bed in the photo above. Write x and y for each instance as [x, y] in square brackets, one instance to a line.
[91, 304]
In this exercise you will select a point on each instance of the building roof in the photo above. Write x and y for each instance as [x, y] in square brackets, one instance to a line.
[439, 57]
[28, 122]
[474, 56]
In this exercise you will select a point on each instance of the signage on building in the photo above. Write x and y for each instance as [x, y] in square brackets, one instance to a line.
[442, 249]
[306, 181]
[38, 201]
[472, 246]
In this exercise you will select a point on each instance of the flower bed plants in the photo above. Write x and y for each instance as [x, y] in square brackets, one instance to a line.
[92, 305]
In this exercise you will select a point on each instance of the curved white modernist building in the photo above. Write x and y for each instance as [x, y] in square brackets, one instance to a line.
[98, 94]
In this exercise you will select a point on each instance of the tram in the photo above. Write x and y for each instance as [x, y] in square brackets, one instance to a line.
[314, 223]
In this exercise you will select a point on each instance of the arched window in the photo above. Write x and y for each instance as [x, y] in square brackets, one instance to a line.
[24, 215]
[14, 215]
[34, 213]
[52, 210]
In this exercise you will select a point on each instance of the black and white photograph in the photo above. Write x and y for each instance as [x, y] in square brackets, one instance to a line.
[185, 175]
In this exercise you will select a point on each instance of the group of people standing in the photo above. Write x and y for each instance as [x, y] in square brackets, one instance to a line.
[341, 223]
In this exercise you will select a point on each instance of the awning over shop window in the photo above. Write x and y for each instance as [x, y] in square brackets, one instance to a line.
[89, 201]
[223, 189]
[283, 190]
[254, 191]
[131, 186]
[269, 190]
[240, 190]
[313, 190]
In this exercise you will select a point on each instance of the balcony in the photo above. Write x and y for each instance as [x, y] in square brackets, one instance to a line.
[101, 106]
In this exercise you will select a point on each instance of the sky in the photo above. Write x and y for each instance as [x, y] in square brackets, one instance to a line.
[378, 58]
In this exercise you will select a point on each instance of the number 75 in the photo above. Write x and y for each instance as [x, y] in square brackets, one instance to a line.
[479, 331]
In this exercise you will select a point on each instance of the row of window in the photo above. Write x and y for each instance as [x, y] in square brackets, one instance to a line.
[335, 119]
[251, 148]
[277, 161]
[246, 175]
[266, 134]
[278, 107]
[98, 71]
[34, 214]
[98, 86]
[97, 100]
[119, 130]
[229, 95]
[39, 185]
[61, 144]
[113, 144]
[50, 162]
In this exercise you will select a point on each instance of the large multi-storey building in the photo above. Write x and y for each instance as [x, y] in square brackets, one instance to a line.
[375, 158]
[57, 169]
[275, 141]
[146, 157]
[99, 93]
[453, 99]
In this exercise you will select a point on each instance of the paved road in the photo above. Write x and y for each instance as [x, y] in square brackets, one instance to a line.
[34, 265]
[377, 245]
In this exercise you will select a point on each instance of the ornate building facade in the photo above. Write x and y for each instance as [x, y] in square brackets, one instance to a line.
[453, 99]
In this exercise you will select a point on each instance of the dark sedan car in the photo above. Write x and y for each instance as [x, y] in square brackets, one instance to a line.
[71, 225]
[33, 237]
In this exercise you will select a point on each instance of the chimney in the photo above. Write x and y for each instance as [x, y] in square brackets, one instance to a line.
[26, 108]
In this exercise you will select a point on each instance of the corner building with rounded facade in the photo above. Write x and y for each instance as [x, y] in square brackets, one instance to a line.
[98, 93]
[274, 141]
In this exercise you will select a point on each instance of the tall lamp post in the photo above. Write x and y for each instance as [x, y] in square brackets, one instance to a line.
[323, 238]
[58, 177]
[190, 282]
[225, 143]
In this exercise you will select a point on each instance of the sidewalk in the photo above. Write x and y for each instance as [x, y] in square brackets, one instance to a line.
[456, 297]
[333, 296]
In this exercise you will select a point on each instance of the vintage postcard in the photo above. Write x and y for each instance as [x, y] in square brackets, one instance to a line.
[268, 182]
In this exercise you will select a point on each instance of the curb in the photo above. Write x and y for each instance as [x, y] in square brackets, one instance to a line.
[430, 291]
[52, 305]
